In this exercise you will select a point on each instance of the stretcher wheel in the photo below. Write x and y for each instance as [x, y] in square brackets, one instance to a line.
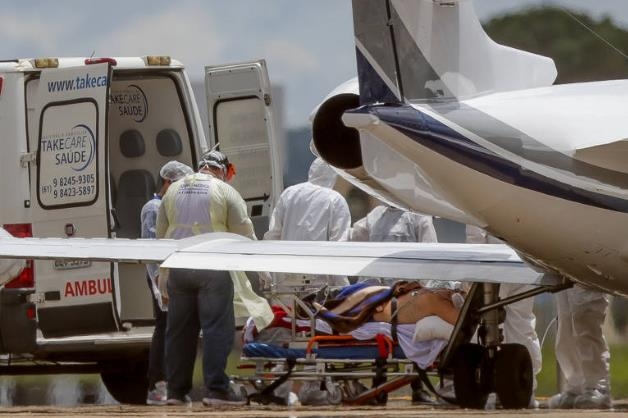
[334, 393]
[513, 376]
[471, 383]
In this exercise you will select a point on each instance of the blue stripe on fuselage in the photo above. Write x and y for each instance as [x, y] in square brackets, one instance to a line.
[372, 87]
[440, 138]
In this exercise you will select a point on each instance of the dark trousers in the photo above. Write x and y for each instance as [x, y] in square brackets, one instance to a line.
[198, 300]
[156, 358]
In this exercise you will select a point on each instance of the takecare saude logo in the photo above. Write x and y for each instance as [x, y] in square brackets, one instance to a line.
[75, 149]
[130, 102]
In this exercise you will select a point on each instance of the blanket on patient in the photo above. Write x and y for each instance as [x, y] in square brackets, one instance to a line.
[355, 304]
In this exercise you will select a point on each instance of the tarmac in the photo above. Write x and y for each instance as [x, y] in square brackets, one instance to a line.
[394, 408]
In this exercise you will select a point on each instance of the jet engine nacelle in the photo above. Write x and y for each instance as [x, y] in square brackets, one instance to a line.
[336, 143]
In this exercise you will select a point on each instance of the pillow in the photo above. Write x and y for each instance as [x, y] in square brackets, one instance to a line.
[432, 327]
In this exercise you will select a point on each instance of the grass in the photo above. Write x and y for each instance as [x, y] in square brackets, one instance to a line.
[547, 378]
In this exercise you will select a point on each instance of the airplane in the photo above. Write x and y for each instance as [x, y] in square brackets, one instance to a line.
[452, 124]
[442, 120]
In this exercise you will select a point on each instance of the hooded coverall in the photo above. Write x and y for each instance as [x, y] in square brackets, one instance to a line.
[310, 211]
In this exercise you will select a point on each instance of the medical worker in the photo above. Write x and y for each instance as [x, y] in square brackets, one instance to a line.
[390, 224]
[520, 322]
[157, 387]
[197, 299]
[581, 350]
[310, 211]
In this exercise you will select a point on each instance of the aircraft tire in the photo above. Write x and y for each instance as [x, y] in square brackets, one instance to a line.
[470, 376]
[513, 376]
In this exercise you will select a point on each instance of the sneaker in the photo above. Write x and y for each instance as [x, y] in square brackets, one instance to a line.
[534, 404]
[187, 401]
[314, 398]
[446, 391]
[492, 402]
[229, 397]
[159, 395]
[422, 397]
[310, 394]
[592, 399]
[563, 400]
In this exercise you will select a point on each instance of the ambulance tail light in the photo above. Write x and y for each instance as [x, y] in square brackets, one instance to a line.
[27, 276]
[90, 61]
[1, 83]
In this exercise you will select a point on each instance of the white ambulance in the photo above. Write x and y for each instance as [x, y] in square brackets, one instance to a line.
[81, 144]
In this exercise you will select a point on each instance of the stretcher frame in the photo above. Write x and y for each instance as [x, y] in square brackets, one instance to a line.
[338, 376]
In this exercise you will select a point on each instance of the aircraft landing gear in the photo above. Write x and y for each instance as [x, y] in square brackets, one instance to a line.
[480, 369]
[506, 370]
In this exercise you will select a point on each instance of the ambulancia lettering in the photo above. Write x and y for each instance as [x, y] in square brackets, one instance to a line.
[87, 287]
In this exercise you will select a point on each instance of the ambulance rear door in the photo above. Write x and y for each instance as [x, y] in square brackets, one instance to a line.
[67, 114]
[242, 125]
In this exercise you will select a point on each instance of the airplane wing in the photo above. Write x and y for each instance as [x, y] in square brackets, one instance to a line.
[96, 249]
[495, 263]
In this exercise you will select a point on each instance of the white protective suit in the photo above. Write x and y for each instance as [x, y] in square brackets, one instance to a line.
[310, 211]
[581, 349]
[9, 269]
[390, 224]
[223, 210]
[520, 323]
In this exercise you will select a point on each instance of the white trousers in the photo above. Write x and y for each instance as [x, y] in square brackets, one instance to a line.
[581, 349]
[520, 324]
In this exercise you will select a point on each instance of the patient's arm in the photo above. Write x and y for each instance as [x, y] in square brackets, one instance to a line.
[443, 308]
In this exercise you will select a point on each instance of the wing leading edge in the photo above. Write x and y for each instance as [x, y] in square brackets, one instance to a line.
[222, 251]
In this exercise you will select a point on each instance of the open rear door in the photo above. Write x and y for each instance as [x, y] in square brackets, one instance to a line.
[67, 111]
[241, 122]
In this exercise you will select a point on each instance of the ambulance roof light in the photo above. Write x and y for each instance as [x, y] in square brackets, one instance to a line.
[157, 60]
[46, 63]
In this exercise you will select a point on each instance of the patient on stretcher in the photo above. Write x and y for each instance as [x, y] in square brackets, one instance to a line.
[402, 303]
[362, 306]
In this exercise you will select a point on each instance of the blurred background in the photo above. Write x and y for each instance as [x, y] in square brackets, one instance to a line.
[309, 50]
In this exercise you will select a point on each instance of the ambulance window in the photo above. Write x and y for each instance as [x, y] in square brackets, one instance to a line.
[67, 168]
[169, 143]
[241, 130]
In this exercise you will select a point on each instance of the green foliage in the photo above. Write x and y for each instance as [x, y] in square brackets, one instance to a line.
[619, 372]
[579, 55]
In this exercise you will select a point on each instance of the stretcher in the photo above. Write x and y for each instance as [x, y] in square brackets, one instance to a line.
[338, 363]
[359, 368]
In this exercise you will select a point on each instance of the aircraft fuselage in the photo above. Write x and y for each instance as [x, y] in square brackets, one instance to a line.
[541, 169]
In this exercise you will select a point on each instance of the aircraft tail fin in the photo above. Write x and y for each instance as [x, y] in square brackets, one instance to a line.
[422, 49]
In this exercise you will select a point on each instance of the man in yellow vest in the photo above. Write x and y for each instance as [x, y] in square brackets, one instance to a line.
[204, 300]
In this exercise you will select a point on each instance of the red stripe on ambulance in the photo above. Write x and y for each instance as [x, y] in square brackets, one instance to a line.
[87, 287]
